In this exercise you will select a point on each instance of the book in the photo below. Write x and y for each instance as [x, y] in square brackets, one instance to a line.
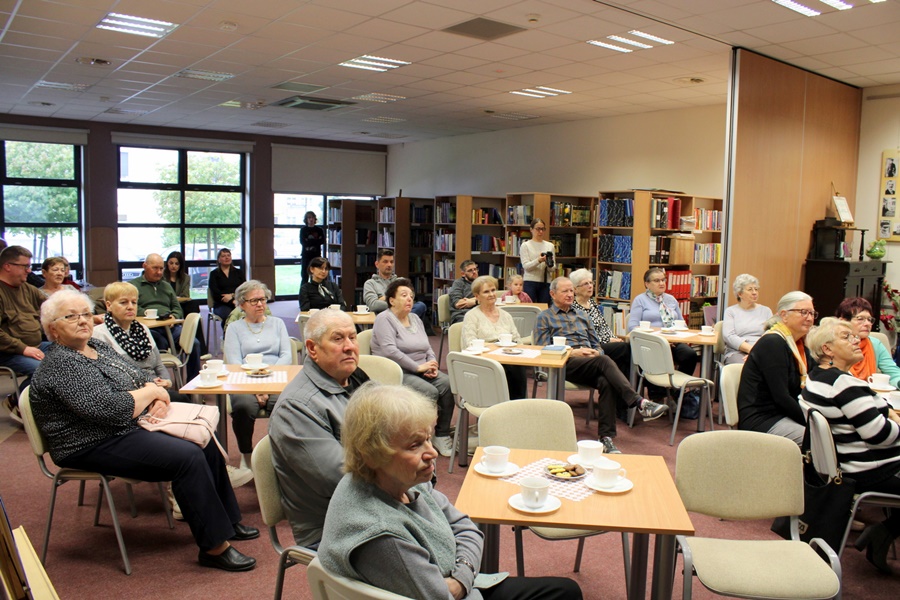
[554, 350]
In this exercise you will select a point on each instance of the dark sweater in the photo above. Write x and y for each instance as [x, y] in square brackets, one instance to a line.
[219, 284]
[770, 385]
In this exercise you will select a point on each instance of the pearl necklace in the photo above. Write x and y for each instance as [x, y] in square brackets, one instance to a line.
[256, 333]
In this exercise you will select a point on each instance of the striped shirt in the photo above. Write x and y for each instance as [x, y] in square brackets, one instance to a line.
[573, 324]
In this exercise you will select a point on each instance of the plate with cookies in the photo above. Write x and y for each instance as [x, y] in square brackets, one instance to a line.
[565, 471]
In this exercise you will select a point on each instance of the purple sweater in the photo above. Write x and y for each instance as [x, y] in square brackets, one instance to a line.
[409, 348]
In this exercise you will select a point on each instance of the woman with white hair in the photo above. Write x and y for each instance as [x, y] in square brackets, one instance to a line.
[744, 322]
[616, 348]
[775, 371]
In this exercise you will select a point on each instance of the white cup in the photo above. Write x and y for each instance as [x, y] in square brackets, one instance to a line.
[679, 324]
[559, 340]
[706, 329]
[477, 345]
[151, 313]
[894, 400]
[607, 473]
[509, 300]
[362, 308]
[589, 451]
[505, 338]
[254, 359]
[208, 377]
[645, 325]
[534, 491]
[880, 379]
[214, 365]
[495, 458]
[335, 307]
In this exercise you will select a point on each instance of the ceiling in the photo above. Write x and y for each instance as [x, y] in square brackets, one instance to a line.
[454, 85]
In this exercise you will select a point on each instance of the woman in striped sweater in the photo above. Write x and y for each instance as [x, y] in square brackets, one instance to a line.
[866, 430]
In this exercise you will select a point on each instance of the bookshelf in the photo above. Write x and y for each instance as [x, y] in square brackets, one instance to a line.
[351, 245]
[406, 226]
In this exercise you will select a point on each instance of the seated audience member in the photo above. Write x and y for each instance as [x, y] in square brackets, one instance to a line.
[744, 323]
[254, 334]
[305, 426]
[866, 430]
[175, 274]
[876, 358]
[661, 310]
[486, 322]
[68, 279]
[775, 372]
[399, 335]
[320, 291]
[587, 365]
[129, 337]
[86, 399]
[389, 527]
[462, 299]
[614, 347]
[223, 281]
[54, 270]
[516, 285]
[376, 286]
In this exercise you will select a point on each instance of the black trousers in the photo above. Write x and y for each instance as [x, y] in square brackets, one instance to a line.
[620, 353]
[538, 291]
[534, 588]
[244, 409]
[198, 475]
[685, 358]
[516, 381]
[602, 374]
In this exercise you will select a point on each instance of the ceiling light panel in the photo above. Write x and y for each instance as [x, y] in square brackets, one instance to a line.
[378, 97]
[619, 38]
[374, 63]
[797, 7]
[837, 4]
[66, 87]
[608, 46]
[204, 75]
[136, 25]
[384, 120]
[540, 92]
[650, 37]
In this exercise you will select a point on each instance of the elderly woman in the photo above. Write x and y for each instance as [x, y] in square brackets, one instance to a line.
[254, 334]
[86, 401]
[533, 255]
[866, 430]
[744, 323]
[486, 322]
[876, 358]
[516, 285]
[389, 527]
[775, 371]
[54, 271]
[320, 291]
[398, 334]
[130, 338]
[661, 310]
[223, 281]
[614, 347]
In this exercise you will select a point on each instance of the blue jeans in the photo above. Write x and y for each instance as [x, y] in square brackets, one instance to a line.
[23, 365]
[419, 309]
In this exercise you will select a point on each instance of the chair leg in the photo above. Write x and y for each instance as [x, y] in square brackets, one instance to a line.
[129, 489]
[440, 355]
[283, 563]
[99, 505]
[520, 551]
[578, 554]
[56, 484]
[116, 526]
[460, 422]
[81, 492]
[166, 506]
[677, 414]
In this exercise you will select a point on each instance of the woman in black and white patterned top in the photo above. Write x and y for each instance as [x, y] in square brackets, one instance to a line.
[86, 400]
[616, 348]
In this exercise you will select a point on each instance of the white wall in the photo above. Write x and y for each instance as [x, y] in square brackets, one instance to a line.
[681, 150]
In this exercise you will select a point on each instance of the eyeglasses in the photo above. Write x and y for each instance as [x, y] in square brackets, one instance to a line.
[860, 319]
[256, 301]
[540, 228]
[73, 318]
[804, 312]
[585, 283]
[656, 281]
[849, 337]
[25, 266]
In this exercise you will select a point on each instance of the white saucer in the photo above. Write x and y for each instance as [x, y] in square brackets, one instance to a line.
[622, 486]
[880, 388]
[249, 367]
[220, 372]
[211, 385]
[553, 503]
[575, 460]
[472, 352]
[511, 469]
[710, 334]
[365, 312]
[504, 345]
[648, 329]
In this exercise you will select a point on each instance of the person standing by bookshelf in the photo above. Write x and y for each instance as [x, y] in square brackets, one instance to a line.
[311, 239]
[536, 256]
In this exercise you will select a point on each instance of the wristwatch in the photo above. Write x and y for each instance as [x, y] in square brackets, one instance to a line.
[463, 561]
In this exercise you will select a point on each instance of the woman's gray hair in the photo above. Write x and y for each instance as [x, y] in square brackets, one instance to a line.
[742, 281]
[482, 281]
[787, 302]
[243, 290]
[824, 333]
[50, 309]
[579, 276]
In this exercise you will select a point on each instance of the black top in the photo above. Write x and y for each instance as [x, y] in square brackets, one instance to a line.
[320, 295]
[219, 284]
[312, 238]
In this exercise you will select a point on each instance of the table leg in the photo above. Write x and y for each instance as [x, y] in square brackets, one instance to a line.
[463, 434]
[222, 427]
[705, 368]
[556, 383]
[172, 347]
[490, 555]
[663, 567]
[640, 548]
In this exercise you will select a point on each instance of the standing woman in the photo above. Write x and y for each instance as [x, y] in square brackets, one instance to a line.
[533, 255]
[54, 270]
[616, 348]
[745, 322]
[875, 357]
[223, 281]
[320, 291]
[311, 239]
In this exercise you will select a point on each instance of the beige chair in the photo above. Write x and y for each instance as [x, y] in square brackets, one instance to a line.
[328, 586]
[744, 475]
[63, 475]
[883, 339]
[211, 319]
[524, 317]
[296, 351]
[443, 321]
[14, 378]
[533, 424]
[454, 337]
[177, 361]
[381, 369]
[729, 382]
[652, 354]
[477, 383]
[269, 495]
[364, 339]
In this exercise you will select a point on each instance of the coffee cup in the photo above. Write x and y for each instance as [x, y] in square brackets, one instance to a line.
[645, 325]
[151, 313]
[335, 307]
[362, 308]
[495, 458]
[706, 329]
[477, 345]
[214, 365]
[559, 340]
[254, 359]
[607, 473]
[505, 338]
[679, 324]
[589, 451]
[534, 491]
[880, 379]
[208, 377]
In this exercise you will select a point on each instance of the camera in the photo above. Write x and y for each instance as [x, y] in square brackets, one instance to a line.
[549, 257]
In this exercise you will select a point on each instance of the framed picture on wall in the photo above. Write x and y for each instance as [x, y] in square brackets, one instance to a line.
[889, 218]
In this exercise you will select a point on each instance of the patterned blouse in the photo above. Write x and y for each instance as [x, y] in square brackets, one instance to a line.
[596, 317]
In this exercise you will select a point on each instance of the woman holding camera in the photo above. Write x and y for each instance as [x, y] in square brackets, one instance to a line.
[536, 256]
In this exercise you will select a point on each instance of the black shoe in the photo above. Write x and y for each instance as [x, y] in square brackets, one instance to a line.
[230, 560]
[242, 532]
[877, 540]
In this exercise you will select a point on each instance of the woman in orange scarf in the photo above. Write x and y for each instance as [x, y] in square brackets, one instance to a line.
[876, 358]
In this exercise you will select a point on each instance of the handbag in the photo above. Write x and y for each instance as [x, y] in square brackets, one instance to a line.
[192, 422]
[827, 502]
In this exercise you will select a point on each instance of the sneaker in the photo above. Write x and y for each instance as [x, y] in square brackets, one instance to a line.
[650, 410]
[609, 447]
[443, 444]
[239, 476]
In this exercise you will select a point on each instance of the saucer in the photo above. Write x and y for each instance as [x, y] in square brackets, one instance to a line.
[505, 345]
[576, 460]
[882, 388]
[511, 469]
[553, 503]
[365, 312]
[710, 334]
[249, 367]
[622, 486]
[260, 374]
[472, 352]
[210, 385]
[512, 351]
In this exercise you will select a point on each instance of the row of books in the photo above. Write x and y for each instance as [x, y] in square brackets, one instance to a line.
[665, 213]
[365, 237]
[708, 219]
[421, 238]
[491, 269]
[678, 283]
[488, 243]
[486, 216]
[616, 315]
[421, 263]
[514, 241]
[614, 248]
[708, 254]
[421, 285]
[446, 212]
[445, 268]
[660, 249]
[571, 244]
[445, 241]
[386, 214]
[513, 271]
[616, 212]
[386, 237]
[365, 259]
[565, 214]
[423, 215]
[613, 284]
[335, 214]
[705, 285]
[334, 259]
[333, 236]
[519, 214]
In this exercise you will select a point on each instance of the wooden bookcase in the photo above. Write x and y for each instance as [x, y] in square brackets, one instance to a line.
[351, 245]
[406, 226]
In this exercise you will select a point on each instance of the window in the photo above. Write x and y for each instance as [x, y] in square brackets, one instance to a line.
[40, 200]
[289, 212]
[184, 200]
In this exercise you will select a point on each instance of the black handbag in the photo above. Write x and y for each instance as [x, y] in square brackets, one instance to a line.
[826, 506]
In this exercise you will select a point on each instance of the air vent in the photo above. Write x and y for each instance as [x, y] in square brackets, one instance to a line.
[125, 111]
[515, 116]
[312, 103]
[484, 29]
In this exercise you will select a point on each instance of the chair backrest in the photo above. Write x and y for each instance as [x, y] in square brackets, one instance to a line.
[444, 309]
[35, 436]
[189, 333]
[454, 337]
[381, 369]
[719, 348]
[478, 381]
[523, 316]
[740, 475]
[209, 299]
[296, 351]
[364, 339]
[729, 382]
[529, 424]
[710, 314]
[821, 444]
[328, 586]
[96, 294]
[651, 352]
[881, 338]
[267, 490]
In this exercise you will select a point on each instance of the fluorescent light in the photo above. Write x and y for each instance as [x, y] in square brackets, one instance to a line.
[610, 46]
[529, 95]
[516, 116]
[652, 38]
[384, 120]
[374, 63]
[204, 75]
[66, 87]
[877, 1]
[795, 6]
[136, 25]
[837, 4]
[544, 88]
[618, 38]
[379, 97]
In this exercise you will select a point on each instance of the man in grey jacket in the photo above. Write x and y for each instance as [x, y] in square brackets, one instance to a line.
[374, 288]
[462, 300]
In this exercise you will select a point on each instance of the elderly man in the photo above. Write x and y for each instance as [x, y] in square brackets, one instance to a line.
[587, 364]
[375, 286]
[462, 300]
[305, 426]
